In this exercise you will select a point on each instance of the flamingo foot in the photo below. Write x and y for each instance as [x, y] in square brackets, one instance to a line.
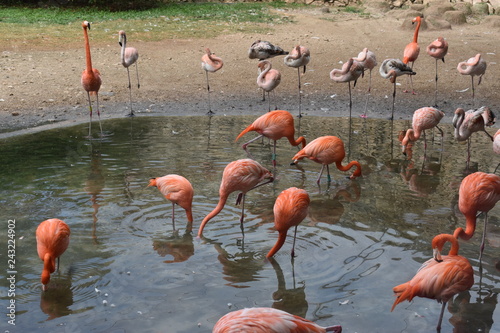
[210, 113]
[131, 114]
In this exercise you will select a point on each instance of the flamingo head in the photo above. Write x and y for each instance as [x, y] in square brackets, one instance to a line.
[121, 37]
[86, 25]
[417, 19]
[152, 182]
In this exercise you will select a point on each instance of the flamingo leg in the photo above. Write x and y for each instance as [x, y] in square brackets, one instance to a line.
[481, 249]
[328, 174]
[468, 152]
[438, 327]
[210, 112]
[99, 113]
[254, 139]
[350, 100]
[90, 111]
[274, 154]
[137, 72]
[293, 245]
[173, 215]
[367, 95]
[300, 96]
[436, 85]
[320, 173]
[131, 114]
[242, 214]
[393, 99]
[473, 92]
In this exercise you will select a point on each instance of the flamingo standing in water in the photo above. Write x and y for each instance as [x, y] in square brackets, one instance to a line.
[290, 208]
[351, 71]
[438, 50]
[52, 239]
[129, 56]
[240, 175]
[327, 150]
[263, 50]
[368, 60]
[274, 125]
[391, 69]
[440, 277]
[475, 66]
[210, 63]
[299, 57]
[412, 50]
[268, 78]
[479, 192]
[423, 119]
[91, 78]
[178, 190]
[268, 320]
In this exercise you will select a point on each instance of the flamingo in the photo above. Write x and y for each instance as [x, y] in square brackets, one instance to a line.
[274, 125]
[178, 190]
[327, 150]
[263, 50]
[91, 78]
[368, 60]
[412, 50]
[440, 277]
[129, 56]
[475, 66]
[268, 78]
[290, 208]
[466, 123]
[299, 57]
[268, 320]
[351, 71]
[52, 239]
[210, 63]
[479, 192]
[423, 119]
[438, 50]
[391, 69]
[240, 175]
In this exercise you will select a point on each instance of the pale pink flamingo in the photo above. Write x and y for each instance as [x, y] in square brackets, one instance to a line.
[479, 192]
[268, 320]
[438, 50]
[240, 175]
[391, 69]
[268, 78]
[263, 50]
[299, 57]
[129, 56]
[439, 278]
[412, 50]
[210, 63]
[274, 125]
[351, 71]
[423, 119]
[368, 60]
[475, 66]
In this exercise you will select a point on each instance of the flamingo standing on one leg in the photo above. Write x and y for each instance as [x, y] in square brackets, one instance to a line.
[391, 69]
[368, 60]
[274, 125]
[91, 78]
[268, 78]
[240, 175]
[129, 56]
[52, 239]
[290, 208]
[423, 119]
[327, 150]
[412, 50]
[178, 190]
[210, 63]
[479, 192]
[440, 277]
[268, 320]
[438, 50]
[263, 50]
[350, 71]
[475, 66]
[299, 57]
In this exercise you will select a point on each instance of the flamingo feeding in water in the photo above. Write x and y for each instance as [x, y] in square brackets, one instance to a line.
[412, 50]
[240, 175]
[475, 66]
[479, 192]
[129, 56]
[290, 208]
[391, 69]
[299, 57]
[274, 125]
[368, 60]
[351, 71]
[438, 50]
[327, 150]
[91, 78]
[210, 63]
[263, 50]
[268, 78]
[52, 239]
[268, 320]
[423, 119]
[440, 277]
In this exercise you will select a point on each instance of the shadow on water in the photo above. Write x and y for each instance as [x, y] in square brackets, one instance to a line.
[361, 237]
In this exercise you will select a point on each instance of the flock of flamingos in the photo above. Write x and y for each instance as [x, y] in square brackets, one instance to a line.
[440, 278]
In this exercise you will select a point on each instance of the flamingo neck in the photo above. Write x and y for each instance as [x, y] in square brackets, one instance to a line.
[439, 241]
[470, 227]
[297, 142]
[457, 123]
[262, 74]
[278, 245]
[87, 51]
[220, 205]
[124, 45]
[415, 35]
[49, 266]
[356, 173]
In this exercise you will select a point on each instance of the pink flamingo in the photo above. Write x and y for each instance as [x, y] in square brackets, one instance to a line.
[423, 119]
[351, 71]
[268, 78]
[391, 69]
[368, 60]
[299, 57]
[475, 66]
[412, 49]
[129, 56]
[210, 63]
[241, 175]
[178, 190]
[438, 50]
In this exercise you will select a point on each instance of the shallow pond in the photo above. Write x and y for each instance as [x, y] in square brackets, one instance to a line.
[130, 269]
